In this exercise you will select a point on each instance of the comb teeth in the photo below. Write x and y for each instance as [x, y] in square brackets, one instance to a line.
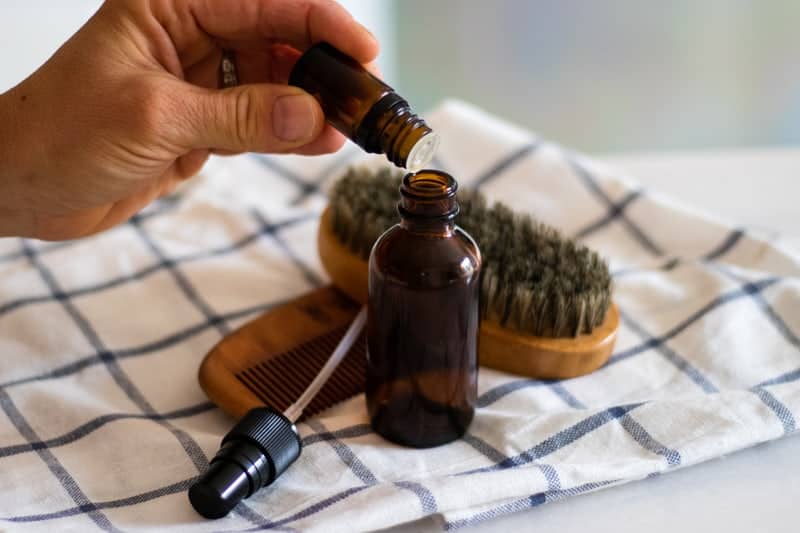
[280, 380]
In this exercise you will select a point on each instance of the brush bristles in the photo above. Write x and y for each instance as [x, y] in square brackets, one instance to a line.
[534, 280]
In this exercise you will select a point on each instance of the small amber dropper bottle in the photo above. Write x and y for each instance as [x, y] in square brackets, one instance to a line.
[363, 108]
[422, 351]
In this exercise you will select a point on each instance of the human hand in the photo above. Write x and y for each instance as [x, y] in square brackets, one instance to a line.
[129, 106]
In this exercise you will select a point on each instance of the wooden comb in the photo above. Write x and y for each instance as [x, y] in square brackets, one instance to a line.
[272, 359]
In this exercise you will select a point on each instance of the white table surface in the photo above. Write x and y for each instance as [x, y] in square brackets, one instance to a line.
[753, 490]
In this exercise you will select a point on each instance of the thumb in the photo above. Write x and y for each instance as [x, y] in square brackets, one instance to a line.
[250, 118]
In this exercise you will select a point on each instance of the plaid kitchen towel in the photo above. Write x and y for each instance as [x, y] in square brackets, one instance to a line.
[103, 424]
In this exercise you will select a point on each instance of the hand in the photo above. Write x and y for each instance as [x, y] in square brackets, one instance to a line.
[129, 106]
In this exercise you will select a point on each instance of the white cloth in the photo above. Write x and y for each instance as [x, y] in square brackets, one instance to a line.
[103, 423]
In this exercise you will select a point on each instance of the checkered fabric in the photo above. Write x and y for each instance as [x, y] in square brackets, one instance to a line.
[103, 424]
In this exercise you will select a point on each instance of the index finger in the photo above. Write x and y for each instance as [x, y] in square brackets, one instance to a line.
[299, 23]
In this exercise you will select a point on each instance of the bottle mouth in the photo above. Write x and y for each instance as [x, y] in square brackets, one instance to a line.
[429, 184]
[422, 152]
[429, 194]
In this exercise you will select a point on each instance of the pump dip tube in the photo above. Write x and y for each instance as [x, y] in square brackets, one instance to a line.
[423, 312]
[363, 108]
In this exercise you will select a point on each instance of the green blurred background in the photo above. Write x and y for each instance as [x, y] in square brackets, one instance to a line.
[611, 75]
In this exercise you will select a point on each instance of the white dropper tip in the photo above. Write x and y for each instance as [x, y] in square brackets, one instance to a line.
[422, 152]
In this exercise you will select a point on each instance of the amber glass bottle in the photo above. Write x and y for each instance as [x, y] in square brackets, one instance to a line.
[363, 108]
[424, 278]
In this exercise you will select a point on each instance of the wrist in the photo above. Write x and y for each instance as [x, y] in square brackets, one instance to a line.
[15, 217]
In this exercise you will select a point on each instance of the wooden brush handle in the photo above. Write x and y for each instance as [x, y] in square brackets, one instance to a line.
[548, 357]
[499, 347]
[347, 270]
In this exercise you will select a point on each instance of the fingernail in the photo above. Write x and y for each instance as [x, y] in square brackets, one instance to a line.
[293, 117]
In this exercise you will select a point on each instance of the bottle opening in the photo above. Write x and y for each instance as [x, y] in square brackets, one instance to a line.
[430, 184]
[429, 193]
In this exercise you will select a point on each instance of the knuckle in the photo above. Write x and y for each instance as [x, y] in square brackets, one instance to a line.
[245, 126]
[150, 107]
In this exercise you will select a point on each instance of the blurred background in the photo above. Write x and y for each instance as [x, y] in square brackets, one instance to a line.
[603, 76]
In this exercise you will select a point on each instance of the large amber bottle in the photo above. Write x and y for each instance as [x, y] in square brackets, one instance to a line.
[363, 108]
[424, 279]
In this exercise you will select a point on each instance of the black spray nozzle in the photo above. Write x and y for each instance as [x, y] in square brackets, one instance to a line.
[253, 454]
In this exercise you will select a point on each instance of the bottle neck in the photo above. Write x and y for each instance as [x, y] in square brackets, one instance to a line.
[428, 203]
[392, 128]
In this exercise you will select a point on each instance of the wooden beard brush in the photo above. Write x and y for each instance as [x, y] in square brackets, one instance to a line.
[546, 300]
[546, 303]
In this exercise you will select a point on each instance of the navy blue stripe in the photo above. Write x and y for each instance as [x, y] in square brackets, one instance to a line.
[665, 266]
[345, 156]
[655, 342]
[591, 183]
[788, 377]
[111, 504]
[157, 267]
[613, 213]
[309, 273]
[182, 282]
[194, 451]
[160, 206]
[561, 439]
[64, 478]
[15, 304]
[484, 448]
[12, 256]
[522, 504]
[426, 498]
[492, 395]
[670, 355]
[496, 456]
[190, 446]
[345, 454]
[168, 202]
[725, 246]
[647, 441]
[776, 320]
[353, 431]
[350, 432]
[551, 475]
[310, 510]
[96, 423]
[49, 247]
[501, 166]
[638, 432]
[567, 396]
[528, 502]
[781, 411]
[292, 177]
[754, 290]
[580, 489]
[672, 263]
[166, 342]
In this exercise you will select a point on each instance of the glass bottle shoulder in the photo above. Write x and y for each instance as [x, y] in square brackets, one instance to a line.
[426, 259]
